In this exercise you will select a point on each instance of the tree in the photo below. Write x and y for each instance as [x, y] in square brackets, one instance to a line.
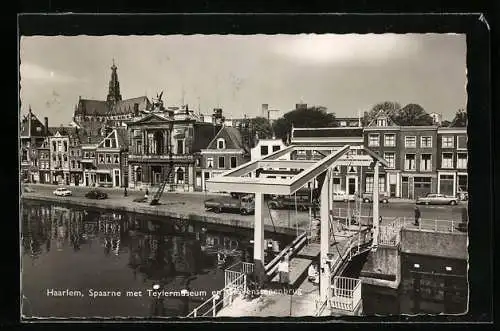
[262, 127]
[389, 106]
[412, 115]
[311, 117]
[460, 119]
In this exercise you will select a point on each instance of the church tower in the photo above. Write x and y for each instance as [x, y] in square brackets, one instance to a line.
[114, 86]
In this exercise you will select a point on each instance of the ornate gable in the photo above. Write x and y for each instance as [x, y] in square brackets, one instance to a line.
[382, 120]
[151, 118]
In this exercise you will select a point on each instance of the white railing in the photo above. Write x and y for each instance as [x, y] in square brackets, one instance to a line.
[346, 293]
[435, 225]
[235, 284]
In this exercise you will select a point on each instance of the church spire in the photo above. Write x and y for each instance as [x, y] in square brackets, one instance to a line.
[114, 85]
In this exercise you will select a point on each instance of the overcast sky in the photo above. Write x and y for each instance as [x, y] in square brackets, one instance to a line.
[345, 73]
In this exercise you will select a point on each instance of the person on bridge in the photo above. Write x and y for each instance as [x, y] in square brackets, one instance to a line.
[417, 216]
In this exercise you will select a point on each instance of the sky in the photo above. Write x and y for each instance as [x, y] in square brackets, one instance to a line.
[347, 73]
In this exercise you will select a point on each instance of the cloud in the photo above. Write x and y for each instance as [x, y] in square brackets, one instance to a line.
[347, 48]
[37, 73]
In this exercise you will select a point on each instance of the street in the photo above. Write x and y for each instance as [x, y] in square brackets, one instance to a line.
[193, 203]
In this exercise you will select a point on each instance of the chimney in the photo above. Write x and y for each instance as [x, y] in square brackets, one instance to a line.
[46, 129]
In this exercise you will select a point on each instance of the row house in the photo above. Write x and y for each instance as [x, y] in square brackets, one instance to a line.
[90, 138]
[33, 135]
[226, 151]
[452, 157]
[59, 155]
[75, 159]
[109, 158]
[165, 145]
[346, 177]
[422, 159]
[44, 162]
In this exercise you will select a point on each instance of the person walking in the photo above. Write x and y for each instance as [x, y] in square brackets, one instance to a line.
[125, 193]
[147, 194]
[417, 216]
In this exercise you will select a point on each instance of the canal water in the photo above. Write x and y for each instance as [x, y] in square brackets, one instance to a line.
[429, 285]
[79, 262]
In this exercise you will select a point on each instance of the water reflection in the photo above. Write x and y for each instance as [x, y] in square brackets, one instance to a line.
[95, 249]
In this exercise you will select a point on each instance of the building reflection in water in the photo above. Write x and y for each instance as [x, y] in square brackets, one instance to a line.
[174, 254]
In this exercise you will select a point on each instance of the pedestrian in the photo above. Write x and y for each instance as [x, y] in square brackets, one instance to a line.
[417, 216]
[283, 269]
[125, 193]
[147, 194]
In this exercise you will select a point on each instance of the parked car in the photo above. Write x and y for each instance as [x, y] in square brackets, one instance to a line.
[289, 202]
[28, 189]
[382, 197]
[342, 196]
[96, 194]
[62, 192]
[245, 205]
[437, 199]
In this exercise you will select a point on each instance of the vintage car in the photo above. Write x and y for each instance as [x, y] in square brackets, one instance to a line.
[437, 199]
[382, 197]
[96, 194]
[62, 192]
[342, 196]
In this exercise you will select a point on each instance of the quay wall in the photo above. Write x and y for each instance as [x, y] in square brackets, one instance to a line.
[383, 267]
[158, 211]
[438, 244]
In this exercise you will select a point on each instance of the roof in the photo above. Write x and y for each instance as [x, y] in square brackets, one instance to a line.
[122, 136]
[383, 113]
[327, 132]
[102, 108]
[232, 137]
[37, 128]
[63, 130]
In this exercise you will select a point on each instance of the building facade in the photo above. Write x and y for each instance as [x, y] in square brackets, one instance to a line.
[226, 151]
[108, 153]
[452, 158]
[265, 147]
[44, 162]
[59, 155]
[75, 159]
[32, 136]
[166, 145]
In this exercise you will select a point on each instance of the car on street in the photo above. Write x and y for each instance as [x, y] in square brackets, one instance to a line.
[244, 205]
[342, 196]
[437, 199]
[382, 197]
[96, 194]
[62, 192]
[28, 189]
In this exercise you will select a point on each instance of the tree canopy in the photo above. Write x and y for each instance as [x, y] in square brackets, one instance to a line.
[412, 115]
[460, 119]
[262, 127]
[311, 117]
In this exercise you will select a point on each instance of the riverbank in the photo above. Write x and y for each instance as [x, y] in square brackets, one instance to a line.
[173, 208]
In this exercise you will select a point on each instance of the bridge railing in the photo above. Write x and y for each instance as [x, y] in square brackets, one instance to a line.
[235, 284]
[346, 293]
[436, 225]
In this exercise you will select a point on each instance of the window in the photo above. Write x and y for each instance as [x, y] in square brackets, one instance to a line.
[180, 176]
[447, 160]
[92, 154]
[117, 159]
[462, 142]
[65, 158]
[54, 158]
[210, 162]
[89, 140]
[108, 158]
[107, 143]
[101, 158]
[86, 155]
[276, 148]
[233, 161]
[72, 153]
[221, 143]
[373, 140]
[447, 142]
[65, 146]
[79, 164]
[222, 162]
[462, 160]
[426, 162]
[390, 140]
[343, 123]
[369, 183]
[180, 146]
[59, 147]
[391, 159]
[77, 152]
[138, 149]
[409, 161]
[411, 141]
[426, 142]
[72, 163]
[54, 148]
[381, 122]
[264, 150]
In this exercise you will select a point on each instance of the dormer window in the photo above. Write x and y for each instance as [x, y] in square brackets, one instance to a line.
[382, 121]
[221, 143]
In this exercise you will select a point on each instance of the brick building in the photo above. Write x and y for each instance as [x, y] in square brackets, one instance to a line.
[227, 150]
[32, 136]
[452, 157]
[59, 155]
